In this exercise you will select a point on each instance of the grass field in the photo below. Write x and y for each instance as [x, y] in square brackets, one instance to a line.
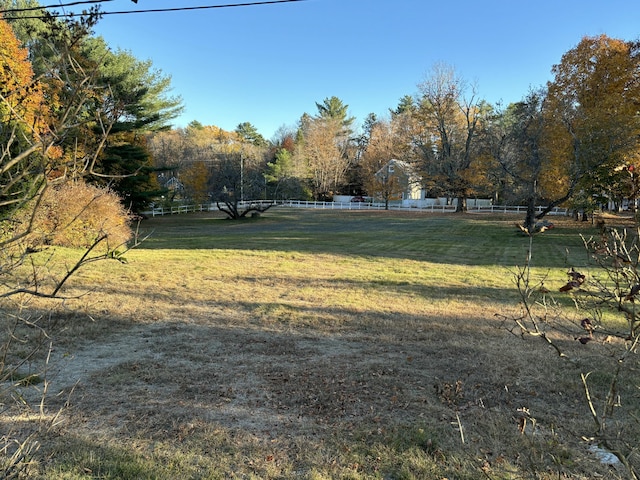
[320, 345]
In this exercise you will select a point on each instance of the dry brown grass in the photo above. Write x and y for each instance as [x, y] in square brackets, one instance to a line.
[266, 363]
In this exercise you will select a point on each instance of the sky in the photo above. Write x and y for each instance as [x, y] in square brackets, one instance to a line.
[270, 64]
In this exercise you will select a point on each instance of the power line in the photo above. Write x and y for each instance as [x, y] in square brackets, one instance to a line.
[59, 5]
[122, 12]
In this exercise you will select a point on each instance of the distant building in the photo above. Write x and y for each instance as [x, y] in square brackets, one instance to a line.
[404, 176]
[173, 184]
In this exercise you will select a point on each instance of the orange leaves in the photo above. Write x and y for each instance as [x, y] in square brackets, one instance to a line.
[592, 105]
[22, 98]
[595, 69]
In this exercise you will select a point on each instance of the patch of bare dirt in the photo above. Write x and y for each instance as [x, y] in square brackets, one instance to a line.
[154, 379]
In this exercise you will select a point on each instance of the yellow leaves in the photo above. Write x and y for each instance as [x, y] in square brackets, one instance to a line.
[212, 134]
[195, 179]
[598, 78]
[594, 69]
[54, 152]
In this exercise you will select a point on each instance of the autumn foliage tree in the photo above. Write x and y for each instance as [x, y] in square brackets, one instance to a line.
[195, 179]
[451, 113]
[384, 144]
[593, 127]
[94, 212]
[325, 147]
[53, 130]
[322, 153]
[575, 142]
[25, 136]
[22, 95]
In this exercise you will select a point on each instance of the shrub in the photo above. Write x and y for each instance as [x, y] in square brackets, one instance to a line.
[75, 214]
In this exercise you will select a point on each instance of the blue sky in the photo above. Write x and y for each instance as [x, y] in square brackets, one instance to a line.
[270, 64]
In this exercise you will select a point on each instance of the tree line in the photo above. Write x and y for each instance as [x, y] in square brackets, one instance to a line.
[573, 142]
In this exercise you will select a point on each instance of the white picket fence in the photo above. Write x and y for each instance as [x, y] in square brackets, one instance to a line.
[504, 209]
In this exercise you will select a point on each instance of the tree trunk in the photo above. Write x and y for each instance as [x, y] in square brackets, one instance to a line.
[233, 212]
[530, 219]
[462, 204]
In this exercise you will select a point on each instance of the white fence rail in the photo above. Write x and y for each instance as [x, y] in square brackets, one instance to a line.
[504, 209]
[159, 211]
[515, 209]
[518, 209]
[363, 206]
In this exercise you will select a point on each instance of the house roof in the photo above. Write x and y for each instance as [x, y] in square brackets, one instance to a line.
[173, 183]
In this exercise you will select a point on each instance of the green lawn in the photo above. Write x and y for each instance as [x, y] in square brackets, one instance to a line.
[467, 240]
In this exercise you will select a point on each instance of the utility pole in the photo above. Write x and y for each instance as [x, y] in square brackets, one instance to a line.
[241, 177]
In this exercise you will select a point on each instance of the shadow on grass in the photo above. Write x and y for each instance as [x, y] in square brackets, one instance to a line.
[251, 400]
[464, 240]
